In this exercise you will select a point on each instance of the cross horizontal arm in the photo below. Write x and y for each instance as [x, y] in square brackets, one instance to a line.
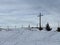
[40, 15]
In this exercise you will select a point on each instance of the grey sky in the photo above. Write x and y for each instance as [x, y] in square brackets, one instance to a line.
[18, 12]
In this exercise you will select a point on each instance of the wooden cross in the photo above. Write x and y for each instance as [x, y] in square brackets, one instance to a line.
[40, 20]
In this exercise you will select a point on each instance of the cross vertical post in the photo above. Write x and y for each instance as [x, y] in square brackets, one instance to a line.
[40, 28]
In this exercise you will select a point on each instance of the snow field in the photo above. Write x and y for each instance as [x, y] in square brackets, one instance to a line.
[29, 37]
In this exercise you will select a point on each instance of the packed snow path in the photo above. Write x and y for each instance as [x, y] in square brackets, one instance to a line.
[28, 37]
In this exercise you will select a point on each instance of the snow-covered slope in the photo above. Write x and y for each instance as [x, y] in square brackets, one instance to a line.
[29, 37]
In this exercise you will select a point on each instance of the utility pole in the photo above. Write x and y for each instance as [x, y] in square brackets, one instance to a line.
[40, 28]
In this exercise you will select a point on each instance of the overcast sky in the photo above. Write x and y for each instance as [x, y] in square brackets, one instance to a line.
[25, 12]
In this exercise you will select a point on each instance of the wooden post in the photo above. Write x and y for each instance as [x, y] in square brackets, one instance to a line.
[40, 28]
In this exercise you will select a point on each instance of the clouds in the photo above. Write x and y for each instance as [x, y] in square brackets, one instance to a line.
[26, 11]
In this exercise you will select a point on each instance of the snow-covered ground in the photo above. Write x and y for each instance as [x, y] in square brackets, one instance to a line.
[29, 37]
